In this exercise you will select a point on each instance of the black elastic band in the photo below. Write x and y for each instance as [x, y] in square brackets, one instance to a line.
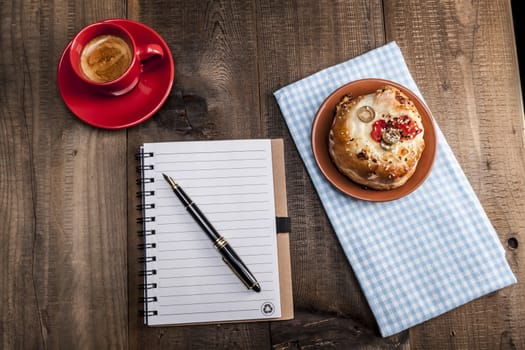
[283, 224]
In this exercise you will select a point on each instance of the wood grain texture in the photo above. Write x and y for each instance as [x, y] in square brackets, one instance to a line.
[331, 331]
[67, 190]
[63, 243]
[215, 96]
[19, 303]
[462, 56]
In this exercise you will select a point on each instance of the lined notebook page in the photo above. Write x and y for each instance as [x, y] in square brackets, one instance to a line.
[232, 183]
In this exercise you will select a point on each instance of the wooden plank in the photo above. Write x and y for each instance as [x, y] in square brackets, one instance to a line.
[215, 96]
[463, 57]
[294, 41]
[63, 193]
[18, 300]
[331, 331]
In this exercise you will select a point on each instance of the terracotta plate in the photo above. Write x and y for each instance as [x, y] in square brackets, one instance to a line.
[321, 128]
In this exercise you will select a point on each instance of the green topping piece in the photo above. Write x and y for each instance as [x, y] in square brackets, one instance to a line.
[391, 136]
[366, 114]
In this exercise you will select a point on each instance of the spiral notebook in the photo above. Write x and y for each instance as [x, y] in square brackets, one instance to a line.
[240, 186]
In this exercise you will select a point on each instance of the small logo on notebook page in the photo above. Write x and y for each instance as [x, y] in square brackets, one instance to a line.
[267, 309]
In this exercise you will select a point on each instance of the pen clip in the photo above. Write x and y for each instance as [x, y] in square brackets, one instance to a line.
[236, 273]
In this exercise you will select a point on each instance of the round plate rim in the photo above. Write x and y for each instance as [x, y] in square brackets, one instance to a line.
[325, 114]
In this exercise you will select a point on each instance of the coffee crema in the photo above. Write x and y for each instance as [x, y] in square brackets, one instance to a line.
[105, 58]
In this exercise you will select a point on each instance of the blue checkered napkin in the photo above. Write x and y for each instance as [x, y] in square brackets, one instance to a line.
[421, 255]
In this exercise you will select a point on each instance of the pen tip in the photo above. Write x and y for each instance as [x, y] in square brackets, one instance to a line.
[166, 177]
[257, 288]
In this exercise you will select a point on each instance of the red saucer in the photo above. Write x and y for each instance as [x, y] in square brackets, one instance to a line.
[127, 110]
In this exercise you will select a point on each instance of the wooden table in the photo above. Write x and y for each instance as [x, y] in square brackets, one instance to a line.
[67, 190]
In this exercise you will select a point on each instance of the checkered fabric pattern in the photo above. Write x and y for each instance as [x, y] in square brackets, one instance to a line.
[416, 257]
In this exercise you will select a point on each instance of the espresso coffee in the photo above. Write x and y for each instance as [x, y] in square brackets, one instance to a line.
[105, 58]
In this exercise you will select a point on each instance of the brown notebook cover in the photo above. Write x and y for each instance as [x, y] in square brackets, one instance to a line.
[283, 239]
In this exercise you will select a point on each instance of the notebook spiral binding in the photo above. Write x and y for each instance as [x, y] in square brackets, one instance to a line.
[145, 260]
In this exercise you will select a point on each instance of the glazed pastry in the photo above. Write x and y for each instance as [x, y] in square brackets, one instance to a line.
[377, 139]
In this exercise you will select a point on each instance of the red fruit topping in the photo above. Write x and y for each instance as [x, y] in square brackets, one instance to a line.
[406, 126]
[377, 129]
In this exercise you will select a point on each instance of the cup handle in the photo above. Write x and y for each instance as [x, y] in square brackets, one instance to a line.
[148, 51]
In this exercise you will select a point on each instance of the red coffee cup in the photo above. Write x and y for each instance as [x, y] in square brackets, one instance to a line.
[105, 57]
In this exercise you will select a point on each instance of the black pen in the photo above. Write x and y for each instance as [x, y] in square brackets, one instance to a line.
[228, 254]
